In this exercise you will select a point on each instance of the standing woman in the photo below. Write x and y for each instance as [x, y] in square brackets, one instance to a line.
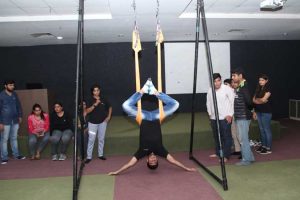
[99, 113]
[263, 113]
[38, 131]
[61, 125]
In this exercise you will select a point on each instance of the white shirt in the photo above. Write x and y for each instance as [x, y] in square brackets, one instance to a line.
[225, 100]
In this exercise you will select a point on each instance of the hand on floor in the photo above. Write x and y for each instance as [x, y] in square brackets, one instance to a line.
[191, 169]
[112, 173]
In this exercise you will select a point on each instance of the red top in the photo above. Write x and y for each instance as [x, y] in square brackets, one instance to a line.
[36, 126]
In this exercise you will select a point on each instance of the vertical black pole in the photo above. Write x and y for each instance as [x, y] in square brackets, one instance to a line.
[210, 71]
[195, 79]
[81, 98]
[78, 92]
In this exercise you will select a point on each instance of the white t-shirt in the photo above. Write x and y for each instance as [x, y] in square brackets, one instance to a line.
[225, 100]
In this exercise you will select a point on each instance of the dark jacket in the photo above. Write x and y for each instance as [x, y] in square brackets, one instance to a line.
[243, 102]
[60, 123]
[10, 108]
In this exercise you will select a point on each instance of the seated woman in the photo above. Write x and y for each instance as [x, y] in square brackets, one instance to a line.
[38, 131]
[61, 130]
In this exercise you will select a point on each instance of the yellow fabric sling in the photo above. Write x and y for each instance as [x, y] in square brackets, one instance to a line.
[136, 46]
[159, 40]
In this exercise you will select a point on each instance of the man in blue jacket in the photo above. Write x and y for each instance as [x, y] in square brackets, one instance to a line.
[10, 117]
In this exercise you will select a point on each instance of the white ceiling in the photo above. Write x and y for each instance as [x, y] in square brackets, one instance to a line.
[225, 18]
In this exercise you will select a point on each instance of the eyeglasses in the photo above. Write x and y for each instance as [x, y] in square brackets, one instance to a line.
[37, 110]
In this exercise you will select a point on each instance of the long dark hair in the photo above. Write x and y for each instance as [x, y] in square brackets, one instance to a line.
[38, 106]
[261, 90]
[95, 86]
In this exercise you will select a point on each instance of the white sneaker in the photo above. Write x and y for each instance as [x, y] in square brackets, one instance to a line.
[149, 88]
[62, 157]
[146, 88]
[54, 157]
[152, 89]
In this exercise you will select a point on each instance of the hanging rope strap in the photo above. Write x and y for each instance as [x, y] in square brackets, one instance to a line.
[159, 41]
[136, 46]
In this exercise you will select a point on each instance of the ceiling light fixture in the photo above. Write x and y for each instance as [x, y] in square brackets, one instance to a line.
[272, 5]
[54, 18]
[192, 15]
[46, 36]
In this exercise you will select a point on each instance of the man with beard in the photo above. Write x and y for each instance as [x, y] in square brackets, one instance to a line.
[243, 115]
[10, 118]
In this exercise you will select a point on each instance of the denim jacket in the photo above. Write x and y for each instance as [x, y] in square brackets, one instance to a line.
[10, 108]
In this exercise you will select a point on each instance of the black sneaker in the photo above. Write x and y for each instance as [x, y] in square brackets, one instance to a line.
[87, 161]
[259, 149]
[4, 162]
[102, 157]
[236, 153]
[20, 157]
[265, 151]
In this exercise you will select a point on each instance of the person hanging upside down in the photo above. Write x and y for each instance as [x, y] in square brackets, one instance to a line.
[150, 143]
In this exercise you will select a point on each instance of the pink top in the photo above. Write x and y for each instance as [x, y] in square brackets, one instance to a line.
[36, 126]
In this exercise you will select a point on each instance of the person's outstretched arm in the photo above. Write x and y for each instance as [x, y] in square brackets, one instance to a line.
[131, 163]
[173, 161]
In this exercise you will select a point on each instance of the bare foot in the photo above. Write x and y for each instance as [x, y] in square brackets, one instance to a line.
[38, 155]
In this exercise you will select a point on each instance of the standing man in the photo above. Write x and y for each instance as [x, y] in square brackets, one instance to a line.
[225, 101]
[243, 115]
[234, 132]
[10, 118]
[236, 141]
[99, 112]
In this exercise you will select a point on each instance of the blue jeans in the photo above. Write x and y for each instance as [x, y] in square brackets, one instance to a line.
[11, 132]
[95, 129]
[34, 141]
[226, 138]
[243, 131]
[264, 122]
[65, 137]
[171, 105]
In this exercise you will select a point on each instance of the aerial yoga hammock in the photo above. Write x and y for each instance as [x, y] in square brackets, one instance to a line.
[136, 46]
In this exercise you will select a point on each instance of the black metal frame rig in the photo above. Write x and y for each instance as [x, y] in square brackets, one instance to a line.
[200, 10]
[79, 118]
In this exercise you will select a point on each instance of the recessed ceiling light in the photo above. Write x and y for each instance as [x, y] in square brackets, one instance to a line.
[237, 30]
[59, 37]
